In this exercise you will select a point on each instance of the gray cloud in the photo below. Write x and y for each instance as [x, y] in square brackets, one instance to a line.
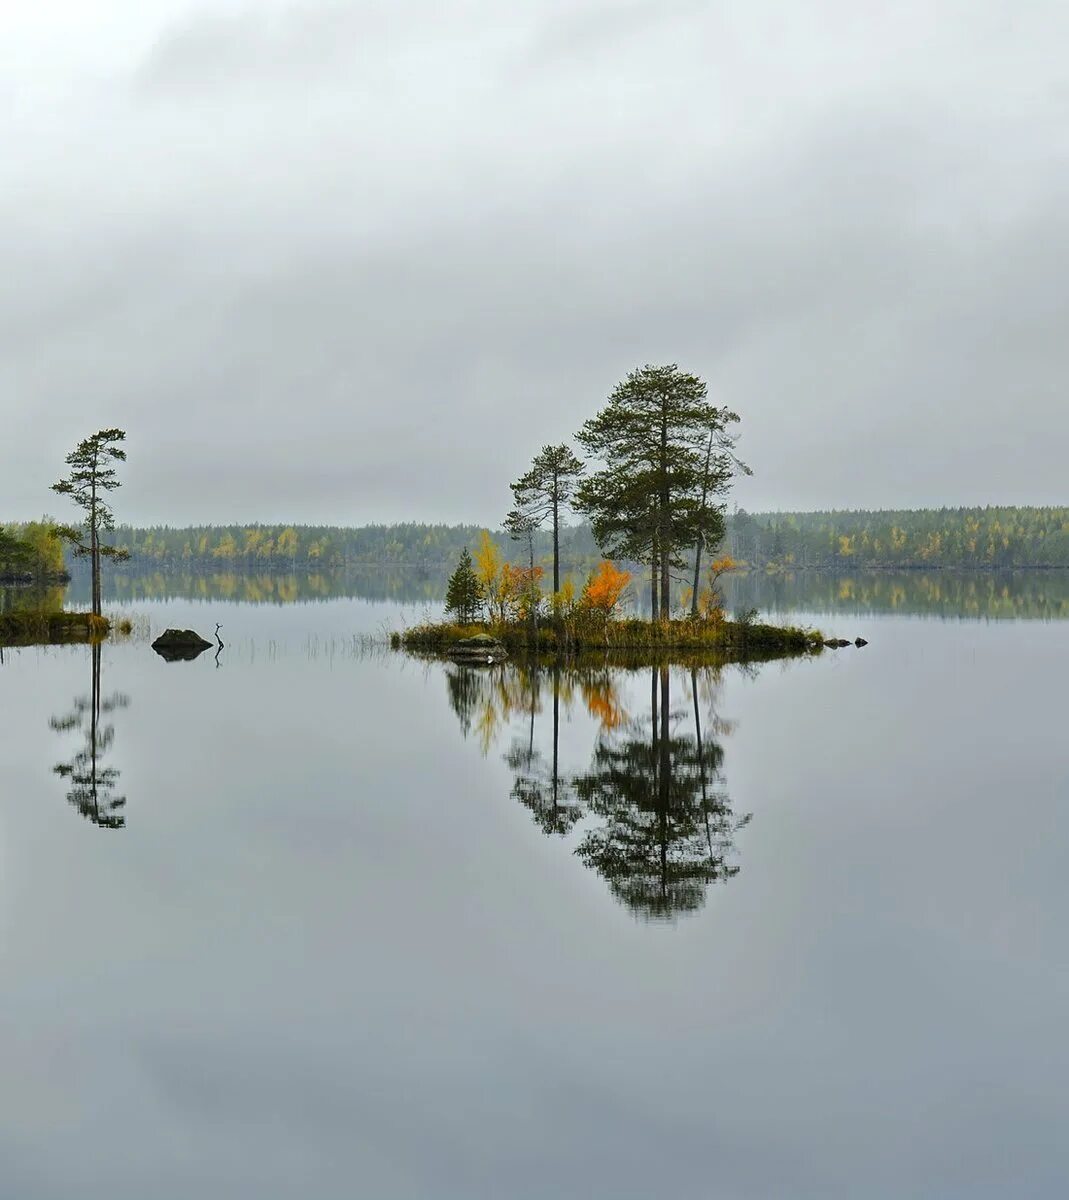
[341, 261]
[587, 29]
[218, 49]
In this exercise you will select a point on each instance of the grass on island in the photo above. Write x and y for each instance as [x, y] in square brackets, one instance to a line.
[31, 627]
[736, 639]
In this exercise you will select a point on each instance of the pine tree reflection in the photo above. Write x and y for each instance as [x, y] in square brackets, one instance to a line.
[667, 831]
[465, 688]
[538, 785]
[657, 821]
[92, 784]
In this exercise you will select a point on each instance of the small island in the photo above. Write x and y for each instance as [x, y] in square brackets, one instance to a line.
[584, 632]
[33, 577]
[661, 460]
[31, 556]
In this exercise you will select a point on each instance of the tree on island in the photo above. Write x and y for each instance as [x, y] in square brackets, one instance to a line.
[545, 489]
[622, 508]
[668, 454]
[463, 597]
[521, 527]
[92, 476]
[721, 466]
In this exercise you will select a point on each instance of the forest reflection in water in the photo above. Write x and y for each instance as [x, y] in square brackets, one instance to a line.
[650, 813]
[91, 778]
[954, 594]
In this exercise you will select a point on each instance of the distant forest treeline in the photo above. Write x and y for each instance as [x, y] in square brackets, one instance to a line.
[327, 547]
[921, 538]
[944, 537]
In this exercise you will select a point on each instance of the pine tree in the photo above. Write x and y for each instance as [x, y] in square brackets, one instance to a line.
[653, 498]
[545, 490]
[521, 528]
[721, 465]
[91, 476]
[463, 596]
[622, 507]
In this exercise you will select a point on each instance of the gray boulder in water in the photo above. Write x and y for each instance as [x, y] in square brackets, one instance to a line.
[180, 645]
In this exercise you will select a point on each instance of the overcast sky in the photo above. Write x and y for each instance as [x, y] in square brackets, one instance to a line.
[347, 261]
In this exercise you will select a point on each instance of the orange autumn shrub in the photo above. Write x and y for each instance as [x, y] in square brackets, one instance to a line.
[605, 587]
[710, 600]
[522, 588]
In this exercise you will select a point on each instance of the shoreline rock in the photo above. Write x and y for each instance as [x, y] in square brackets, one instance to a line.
[479, 650]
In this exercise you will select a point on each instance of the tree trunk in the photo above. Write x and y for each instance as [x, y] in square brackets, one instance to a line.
[700, 543]
[653, 580]
[532, 604]
[664, 502]
[556, 539]
[94, 545]
[697, 575]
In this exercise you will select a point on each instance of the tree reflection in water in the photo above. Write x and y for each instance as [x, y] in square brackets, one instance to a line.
[539, 787]
[653, 816]
[92, 783]
[667, 832]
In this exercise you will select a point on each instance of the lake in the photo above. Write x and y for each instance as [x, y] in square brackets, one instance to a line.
[311, 918]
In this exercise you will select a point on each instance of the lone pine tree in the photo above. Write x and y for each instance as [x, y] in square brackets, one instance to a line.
[91, 477]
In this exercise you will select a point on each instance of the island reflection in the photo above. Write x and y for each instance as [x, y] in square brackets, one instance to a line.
[650, 813]
[92, 781]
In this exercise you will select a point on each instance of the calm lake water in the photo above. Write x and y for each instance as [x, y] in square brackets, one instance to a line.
[369, 927]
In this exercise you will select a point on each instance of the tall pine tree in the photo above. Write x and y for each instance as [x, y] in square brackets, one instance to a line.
[92, 477]
[653, 498]
[545, 490]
